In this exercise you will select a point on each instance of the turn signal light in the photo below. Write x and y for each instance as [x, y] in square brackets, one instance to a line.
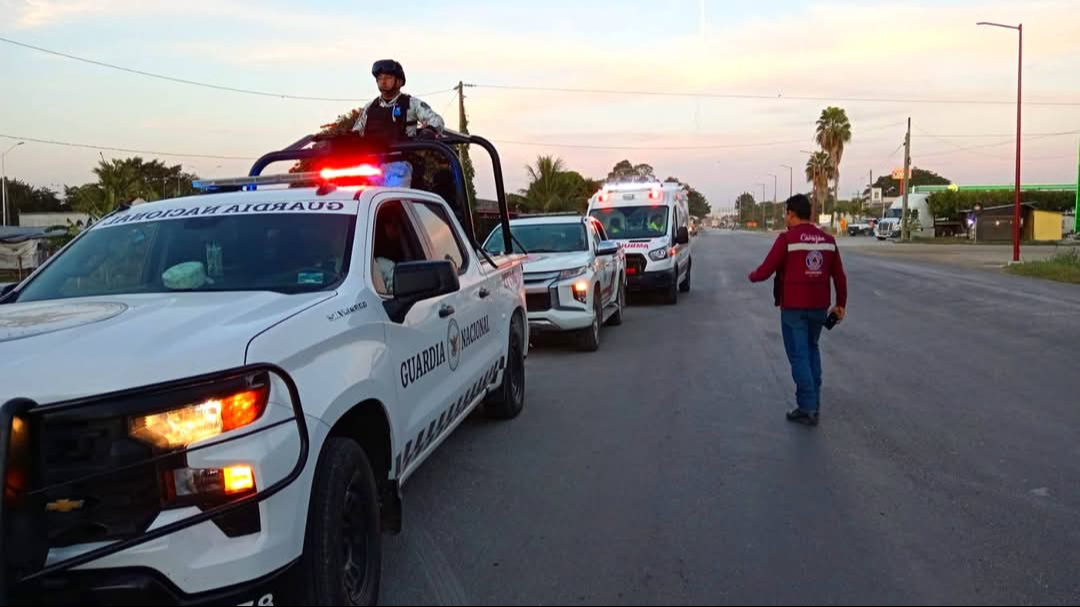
[239, 479]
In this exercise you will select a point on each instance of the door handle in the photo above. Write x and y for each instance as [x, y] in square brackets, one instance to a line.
[446, 310]
[484, 293]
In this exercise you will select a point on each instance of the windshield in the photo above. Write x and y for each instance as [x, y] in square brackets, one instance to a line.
[623, 223]
[289, 253]
[540, 238]
[894, 213]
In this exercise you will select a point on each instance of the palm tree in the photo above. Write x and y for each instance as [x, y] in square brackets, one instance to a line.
[819, 169]
[551, 186]
[833, 133]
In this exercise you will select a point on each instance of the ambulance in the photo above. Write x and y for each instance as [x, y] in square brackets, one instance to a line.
[651, 220]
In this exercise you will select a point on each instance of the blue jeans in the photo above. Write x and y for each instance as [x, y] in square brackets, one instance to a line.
[802, 329]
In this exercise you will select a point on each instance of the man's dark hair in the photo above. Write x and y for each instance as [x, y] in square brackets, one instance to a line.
[800, 205]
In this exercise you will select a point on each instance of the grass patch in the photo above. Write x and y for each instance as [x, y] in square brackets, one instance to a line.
[969, 242]
[1063, 267]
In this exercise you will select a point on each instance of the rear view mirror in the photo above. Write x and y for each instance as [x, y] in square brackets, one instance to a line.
[683, 236]
[607, 247]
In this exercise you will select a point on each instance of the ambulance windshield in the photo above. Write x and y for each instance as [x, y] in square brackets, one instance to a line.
[624, 223]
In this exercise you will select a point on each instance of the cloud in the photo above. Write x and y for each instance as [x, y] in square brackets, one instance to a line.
[39, 13]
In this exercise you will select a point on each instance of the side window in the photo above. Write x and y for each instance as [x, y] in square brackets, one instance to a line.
[394, 242]
[435, 224]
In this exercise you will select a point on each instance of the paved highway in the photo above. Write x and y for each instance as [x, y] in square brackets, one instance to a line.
[660, 470]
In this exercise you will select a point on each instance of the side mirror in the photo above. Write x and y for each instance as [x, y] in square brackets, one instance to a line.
[419, 280]
[416, 281]
[607, 247]
[683, 236]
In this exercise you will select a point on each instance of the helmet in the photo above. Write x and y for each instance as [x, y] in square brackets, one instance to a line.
[388, 66]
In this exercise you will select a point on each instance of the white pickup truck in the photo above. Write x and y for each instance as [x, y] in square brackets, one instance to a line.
[215, 399]
[575, 278]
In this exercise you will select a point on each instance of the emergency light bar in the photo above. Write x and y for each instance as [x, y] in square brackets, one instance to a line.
[370, 172]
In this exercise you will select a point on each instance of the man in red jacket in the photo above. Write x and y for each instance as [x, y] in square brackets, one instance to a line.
[805, 260]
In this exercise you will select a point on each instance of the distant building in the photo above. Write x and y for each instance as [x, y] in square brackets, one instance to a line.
[996, 224]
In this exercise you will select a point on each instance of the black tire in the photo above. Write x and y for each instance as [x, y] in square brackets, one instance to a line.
[508, 400]
[671, 294]
[342, 560]
[620, 303]
[685, 285]
[588, 340]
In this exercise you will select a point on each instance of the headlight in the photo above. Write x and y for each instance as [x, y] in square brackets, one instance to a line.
[183, 426]
[573, 273]
[658, 254]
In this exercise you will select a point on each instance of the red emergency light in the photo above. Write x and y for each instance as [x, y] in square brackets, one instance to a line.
[363, 170]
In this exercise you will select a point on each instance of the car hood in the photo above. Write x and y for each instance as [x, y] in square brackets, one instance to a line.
[554, 262]
[56, 350]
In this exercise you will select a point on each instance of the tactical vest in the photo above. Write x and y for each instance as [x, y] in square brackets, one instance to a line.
[388, 123]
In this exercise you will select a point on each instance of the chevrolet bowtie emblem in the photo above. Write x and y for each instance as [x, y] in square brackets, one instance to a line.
[64, 505]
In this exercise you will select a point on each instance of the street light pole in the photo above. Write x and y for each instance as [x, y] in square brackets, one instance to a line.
[763, 186]
[791, 180]
[1019, 99]
[3, 180]
[774, 195]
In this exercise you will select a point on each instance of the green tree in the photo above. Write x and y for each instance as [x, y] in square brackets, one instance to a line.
[948, 204]
[833, 133]
[121, 181]
[625, 169]
[746, 205]
[819, 170]
[891, 187]
[554, 189]
[25, 198]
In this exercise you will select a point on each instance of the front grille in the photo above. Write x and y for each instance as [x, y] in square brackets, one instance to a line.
[541, 277]
[116, 506]
[537, 302]
[635, 263]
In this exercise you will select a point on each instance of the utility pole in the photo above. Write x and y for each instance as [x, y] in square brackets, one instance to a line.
[905, 233]
[791, 180]
[461, 104]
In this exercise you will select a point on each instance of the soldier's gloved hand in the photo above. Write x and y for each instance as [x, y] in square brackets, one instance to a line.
[426, 133]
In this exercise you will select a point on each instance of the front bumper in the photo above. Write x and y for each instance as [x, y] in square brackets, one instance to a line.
[552, 306]
[139, 586]
[48, 547]
[650, 281]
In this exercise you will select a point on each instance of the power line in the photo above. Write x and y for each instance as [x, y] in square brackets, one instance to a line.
[649, 147]
[975, 148]
[125, 150]
[729, 146]
[1013, 135]
[206, 85]
[777, 97]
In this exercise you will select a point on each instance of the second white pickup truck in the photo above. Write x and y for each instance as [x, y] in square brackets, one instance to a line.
[575, 278]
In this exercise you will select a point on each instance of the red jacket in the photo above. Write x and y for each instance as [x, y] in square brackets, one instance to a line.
[806, 259]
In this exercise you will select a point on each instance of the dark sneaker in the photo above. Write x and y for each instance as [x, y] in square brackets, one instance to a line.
[805, 418]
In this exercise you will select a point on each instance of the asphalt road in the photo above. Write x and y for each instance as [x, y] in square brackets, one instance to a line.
[660, 470]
